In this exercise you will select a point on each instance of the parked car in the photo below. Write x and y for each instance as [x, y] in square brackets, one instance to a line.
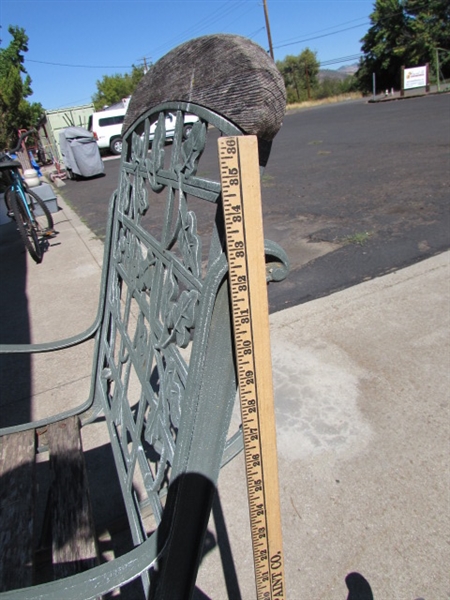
[106, 126]
[171, 121]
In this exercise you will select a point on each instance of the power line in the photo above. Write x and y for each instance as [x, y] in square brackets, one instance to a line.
[217, 15]
[320, 36]
[389, 15]
[326, 29]
[255, 33]
[335, 61]
[188, 32]
[206, 22]
[43, 62]
[198, 27]
[327, 62]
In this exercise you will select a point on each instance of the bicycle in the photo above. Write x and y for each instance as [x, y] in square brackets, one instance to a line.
[21, 203]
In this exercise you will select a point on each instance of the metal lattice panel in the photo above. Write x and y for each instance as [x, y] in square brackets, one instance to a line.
[154, 331]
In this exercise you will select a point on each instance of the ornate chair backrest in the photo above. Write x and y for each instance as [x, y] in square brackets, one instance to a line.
[166, 375]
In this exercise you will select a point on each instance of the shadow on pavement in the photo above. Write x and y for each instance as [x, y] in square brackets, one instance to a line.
[15, 370]
[358, 587]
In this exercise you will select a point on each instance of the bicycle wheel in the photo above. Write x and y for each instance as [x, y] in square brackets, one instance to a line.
[45, 222]
[26, 229]
[8, 193]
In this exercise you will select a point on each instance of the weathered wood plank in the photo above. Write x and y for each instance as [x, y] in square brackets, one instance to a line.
[229, 74]
[17, 473]
[74, 547]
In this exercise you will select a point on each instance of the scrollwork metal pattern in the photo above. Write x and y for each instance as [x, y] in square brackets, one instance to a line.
[155, 287]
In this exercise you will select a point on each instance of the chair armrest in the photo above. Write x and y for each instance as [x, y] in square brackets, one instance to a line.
[51, 346]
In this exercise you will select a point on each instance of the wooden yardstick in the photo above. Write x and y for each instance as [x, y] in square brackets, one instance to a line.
[241, 194]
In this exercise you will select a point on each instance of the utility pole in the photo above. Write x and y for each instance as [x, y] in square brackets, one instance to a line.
[437, 70]
[269, 37]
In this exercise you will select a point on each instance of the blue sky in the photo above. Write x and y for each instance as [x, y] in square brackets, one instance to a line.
[73, 43]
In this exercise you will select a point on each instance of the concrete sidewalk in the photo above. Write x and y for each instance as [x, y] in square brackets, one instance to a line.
[40, 303]
[361, 389]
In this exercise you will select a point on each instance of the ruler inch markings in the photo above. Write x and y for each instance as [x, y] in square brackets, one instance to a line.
[241, 195]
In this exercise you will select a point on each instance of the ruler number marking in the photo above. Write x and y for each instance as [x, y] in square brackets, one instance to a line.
[268, 569]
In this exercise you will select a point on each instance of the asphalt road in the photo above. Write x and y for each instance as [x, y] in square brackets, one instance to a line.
[351, 191]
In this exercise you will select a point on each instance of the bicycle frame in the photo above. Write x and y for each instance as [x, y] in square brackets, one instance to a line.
[17, 187]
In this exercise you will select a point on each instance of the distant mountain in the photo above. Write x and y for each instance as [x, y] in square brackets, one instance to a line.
[340, 73]
[349, 69]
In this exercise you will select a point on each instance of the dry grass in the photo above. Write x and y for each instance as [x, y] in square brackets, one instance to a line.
[331, 100]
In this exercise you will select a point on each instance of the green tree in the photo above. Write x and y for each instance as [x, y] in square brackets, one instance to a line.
[403, 33]
[15, 86]
[300, 74]
[430, 31]
[112, 88]
[384, 46]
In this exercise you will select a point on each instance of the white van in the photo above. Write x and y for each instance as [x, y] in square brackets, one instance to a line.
[106, 126]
